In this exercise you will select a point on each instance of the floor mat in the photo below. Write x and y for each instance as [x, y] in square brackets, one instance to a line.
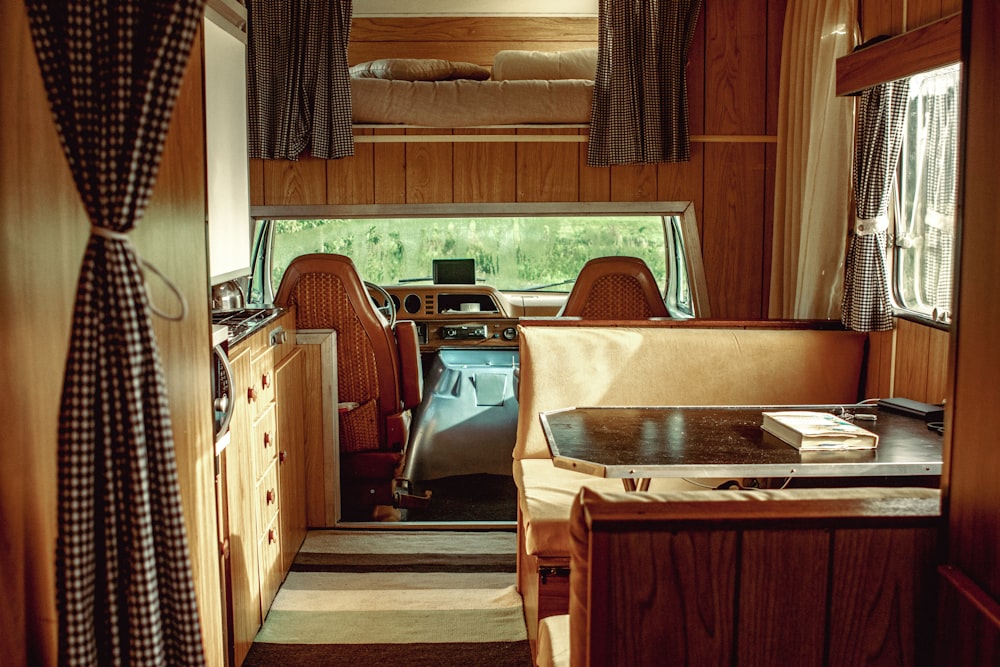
[358, 597]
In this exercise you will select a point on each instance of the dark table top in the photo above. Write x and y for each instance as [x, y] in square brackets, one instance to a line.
[642, 443]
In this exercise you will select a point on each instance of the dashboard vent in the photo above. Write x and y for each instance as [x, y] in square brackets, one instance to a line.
[429, 304]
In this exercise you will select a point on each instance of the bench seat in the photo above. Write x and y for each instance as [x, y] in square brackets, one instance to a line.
[650, 363]
[703, 577]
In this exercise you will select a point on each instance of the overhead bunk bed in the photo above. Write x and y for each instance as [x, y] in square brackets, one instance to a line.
[522, 89]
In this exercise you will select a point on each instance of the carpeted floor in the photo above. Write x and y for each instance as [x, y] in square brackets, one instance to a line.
[419, 598]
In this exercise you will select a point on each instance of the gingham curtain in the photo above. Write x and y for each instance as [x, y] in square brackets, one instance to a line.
[881, 112]
[112, 70]
[639, 112]
[940, 171]
[298, 82]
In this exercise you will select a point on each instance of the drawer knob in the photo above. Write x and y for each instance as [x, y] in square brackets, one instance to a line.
[267, 439]
[251, 395]
[269, 496]
[271, 537]
[265, 380]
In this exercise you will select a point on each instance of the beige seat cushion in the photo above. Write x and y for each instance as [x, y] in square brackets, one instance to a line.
[553, 642]
[546, 495]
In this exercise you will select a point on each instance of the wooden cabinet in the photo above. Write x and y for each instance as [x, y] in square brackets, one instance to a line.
[289, 379]
[267, 418]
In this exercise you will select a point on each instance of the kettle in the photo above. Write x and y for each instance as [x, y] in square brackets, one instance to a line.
[228, 296]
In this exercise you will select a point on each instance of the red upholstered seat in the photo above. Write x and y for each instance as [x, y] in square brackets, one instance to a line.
[378, 368]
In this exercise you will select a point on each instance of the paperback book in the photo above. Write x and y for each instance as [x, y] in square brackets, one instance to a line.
[817, 431]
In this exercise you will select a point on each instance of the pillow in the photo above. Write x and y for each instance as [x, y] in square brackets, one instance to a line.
[418, 69]
[575, 64]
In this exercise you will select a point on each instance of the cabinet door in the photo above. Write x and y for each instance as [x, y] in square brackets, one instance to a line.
[242, 507]
[289, 377]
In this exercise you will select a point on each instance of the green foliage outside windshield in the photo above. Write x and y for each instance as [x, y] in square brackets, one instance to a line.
[510, 253]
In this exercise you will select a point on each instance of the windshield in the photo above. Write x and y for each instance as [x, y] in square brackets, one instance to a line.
[510, 253]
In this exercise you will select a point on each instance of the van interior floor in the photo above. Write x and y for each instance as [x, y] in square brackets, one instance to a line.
[466, 498]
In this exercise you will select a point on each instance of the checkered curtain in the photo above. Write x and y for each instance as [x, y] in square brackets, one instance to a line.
[867, 305]
[298, 83]
[639, 112]
[940, 169]
[112, 70]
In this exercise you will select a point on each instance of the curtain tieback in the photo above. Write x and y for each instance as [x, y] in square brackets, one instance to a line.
[869, 226]
[113, 235]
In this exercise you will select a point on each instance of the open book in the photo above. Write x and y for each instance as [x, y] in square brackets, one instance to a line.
[817, 430]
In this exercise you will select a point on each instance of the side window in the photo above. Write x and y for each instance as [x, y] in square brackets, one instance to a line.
[927, 181]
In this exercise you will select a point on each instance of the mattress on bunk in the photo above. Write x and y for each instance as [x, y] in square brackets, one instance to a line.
[469, 103]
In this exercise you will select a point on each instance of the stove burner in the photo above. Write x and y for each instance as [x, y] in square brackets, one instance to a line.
[244, 321]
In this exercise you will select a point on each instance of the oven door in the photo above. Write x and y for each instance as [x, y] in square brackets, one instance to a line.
[222, 392]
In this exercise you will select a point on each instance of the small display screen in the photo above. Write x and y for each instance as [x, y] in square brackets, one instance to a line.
[454, 271]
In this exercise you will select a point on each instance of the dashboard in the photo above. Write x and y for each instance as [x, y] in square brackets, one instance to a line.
[469, 315]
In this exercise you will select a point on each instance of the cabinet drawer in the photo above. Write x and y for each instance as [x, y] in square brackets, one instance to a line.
[267, 496]
[271, 574]
[264, 441]
[262, 377]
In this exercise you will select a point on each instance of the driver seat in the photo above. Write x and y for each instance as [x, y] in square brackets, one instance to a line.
[379, 378]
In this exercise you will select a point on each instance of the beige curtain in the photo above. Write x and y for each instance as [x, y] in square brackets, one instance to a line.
[813, 169]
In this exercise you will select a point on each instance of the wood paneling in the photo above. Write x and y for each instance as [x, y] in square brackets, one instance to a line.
[390, 171]
[735, 68]
[351, 180]
[971, 622]
[699, 583]
[920, 50]
[429, 170]
[473, 39]
[172, 236]
[302, 181]
[548, 171]
[732, 239]
[484, 172]
[732, 79]
[41, 247]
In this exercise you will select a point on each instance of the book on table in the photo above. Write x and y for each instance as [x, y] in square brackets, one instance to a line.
[807, 430]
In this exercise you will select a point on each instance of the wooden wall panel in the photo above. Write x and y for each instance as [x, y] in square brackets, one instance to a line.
[972, 463]
[684, 181]
[880, 17]
[350, 180]
[735, 68]
[548, 171]
[878, 381]
[44, 235]
[732, 85]
[293, 183]
[474, 40]
[733, 238]
[595, 182]
[172, 236]
[634, 182]
[429, 172]
[771, 593]
[390, 171]
[485, 172]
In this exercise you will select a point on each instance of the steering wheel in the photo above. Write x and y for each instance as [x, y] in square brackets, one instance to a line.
[383, 302]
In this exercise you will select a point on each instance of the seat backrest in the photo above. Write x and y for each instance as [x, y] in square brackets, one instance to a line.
[615, 288]
[328, 293]
[795, 576]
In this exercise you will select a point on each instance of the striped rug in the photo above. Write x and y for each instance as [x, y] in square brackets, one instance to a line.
[413, 597]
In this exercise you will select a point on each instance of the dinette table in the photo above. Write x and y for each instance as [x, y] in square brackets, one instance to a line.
[636, 444]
